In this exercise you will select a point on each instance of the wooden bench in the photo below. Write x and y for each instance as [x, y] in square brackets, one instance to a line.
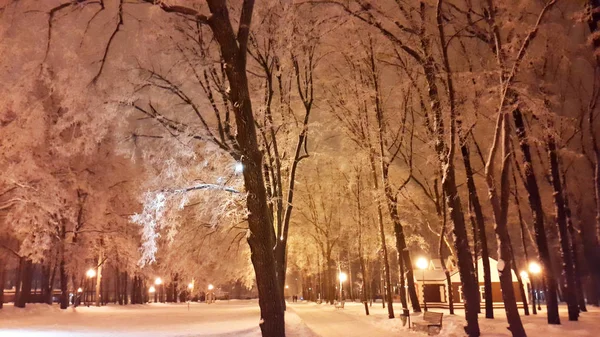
[432, 323]
[339, 305]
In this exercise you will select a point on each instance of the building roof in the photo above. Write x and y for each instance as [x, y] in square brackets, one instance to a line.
[429, 275]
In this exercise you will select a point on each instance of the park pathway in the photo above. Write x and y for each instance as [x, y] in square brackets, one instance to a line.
[329, 323]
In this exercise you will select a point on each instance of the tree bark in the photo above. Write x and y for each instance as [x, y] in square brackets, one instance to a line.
[99, 279]
[26, 277]
[535, 203]
[2, 280]
[573, 235]
[445, 268]
[446, 153]
[499, 201]
[568, 272]
[261, 233]
[386, 265]
[480, 224]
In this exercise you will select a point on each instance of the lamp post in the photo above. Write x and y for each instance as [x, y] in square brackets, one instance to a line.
[422, 264]
[209, 296]
[158, 282]
[90, 274]
[152, 290]
[535, 269]
[190, 290]
[525, 276]
[343, 277]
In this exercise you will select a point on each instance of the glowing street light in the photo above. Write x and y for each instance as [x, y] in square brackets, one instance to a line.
[79, 290]
[158, 294]
[287, 287]
[152, 290]
[343, 277]
[210, 296]
[422, 264]
[90, 273]
[190, 286]
[535, 269]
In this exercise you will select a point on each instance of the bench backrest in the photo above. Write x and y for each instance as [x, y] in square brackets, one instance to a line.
[433, 317]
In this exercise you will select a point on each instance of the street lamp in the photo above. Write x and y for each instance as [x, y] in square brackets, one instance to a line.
[422, 264]
[158, 281]
[535, 269]
[151, 291]
[343, 277]
[189, 295]
[210, 295]
[525, 276]
[90, 274]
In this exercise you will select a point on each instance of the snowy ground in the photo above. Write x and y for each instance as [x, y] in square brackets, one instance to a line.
[240, 319]
[221, 319]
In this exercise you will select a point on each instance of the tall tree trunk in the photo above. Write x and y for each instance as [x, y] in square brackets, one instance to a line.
[365, 285]
[572, 234]
[535, 203]
[446, 152]
[26, 278]
[568, 272]
[2, 280]
[480, 224]
[262, 235]
[175, 290]
[386, 265]
[46, 289]
[499, 201]
[118, 292]
[444, 267]
[99, 278]
[124, 288]
[403, 299]
[593, 250]
[19, 280]
[64, 282]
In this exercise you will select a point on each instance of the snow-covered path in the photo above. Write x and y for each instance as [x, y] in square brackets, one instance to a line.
[326, 321]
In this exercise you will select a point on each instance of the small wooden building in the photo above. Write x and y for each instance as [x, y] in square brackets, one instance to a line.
[432, 284]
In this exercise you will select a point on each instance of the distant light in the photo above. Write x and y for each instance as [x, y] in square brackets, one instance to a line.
[524, 274]
[91, 273]
[190, 286]
[158, 281]
[287, 287]
[239, 168]
[343, 277]
[535, 268]
[422, 263]
[151, 289]
[79, 290]
[211, 287]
